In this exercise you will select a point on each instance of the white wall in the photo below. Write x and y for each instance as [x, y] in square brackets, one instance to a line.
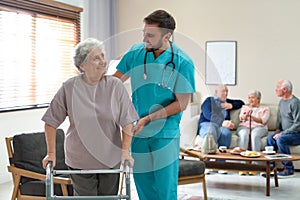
[267, 34]
[15, 123]
[11, 123]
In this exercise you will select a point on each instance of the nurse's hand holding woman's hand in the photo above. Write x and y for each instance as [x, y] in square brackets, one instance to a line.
[140, 124]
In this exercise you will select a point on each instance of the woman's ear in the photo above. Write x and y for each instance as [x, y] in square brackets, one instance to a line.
[81, 66]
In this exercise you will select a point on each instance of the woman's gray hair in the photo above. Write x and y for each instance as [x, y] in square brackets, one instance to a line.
[83, 48]
[256, 92]
[287, 84]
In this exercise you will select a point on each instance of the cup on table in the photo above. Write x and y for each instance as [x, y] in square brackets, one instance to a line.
[269, 148]
[222, 149]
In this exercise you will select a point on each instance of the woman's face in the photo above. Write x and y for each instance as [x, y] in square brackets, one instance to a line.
[95, 65]
[253, 100]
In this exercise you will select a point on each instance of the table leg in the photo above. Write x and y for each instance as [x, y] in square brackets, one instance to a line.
[268, 178]
[275, 175]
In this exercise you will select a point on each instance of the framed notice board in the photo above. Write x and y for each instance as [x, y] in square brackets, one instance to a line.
[220, 62]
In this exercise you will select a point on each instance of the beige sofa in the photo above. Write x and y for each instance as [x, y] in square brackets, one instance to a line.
[189, 129]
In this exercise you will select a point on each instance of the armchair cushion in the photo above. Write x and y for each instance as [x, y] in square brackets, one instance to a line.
[35, 187]
[29, 151]
[31, 148]
[191, 167]
[191, 170]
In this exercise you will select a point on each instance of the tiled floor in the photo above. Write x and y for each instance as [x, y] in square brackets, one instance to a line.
[230, 186]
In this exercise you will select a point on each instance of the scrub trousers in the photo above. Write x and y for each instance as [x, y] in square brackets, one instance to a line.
[156, 165]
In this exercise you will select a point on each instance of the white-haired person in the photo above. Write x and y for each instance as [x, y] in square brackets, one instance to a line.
[255, 116]
[288, 125]
[215, 116]
[97, 106]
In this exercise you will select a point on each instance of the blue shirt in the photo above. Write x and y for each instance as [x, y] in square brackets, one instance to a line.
[147, 95]
[212, 111]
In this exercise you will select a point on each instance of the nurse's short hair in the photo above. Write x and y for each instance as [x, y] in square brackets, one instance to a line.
[83, 48]
[163, 19]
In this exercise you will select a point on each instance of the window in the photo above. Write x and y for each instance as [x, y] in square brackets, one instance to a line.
[37, 43]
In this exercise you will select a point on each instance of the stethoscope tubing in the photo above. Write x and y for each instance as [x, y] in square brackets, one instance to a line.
[164, 70]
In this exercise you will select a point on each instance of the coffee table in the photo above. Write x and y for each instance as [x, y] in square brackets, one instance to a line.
[244, 166]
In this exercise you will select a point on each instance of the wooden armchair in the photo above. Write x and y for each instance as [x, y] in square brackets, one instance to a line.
[25, 152]
[192, 171]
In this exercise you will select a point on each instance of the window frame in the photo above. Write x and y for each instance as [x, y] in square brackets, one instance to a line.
[43, 7]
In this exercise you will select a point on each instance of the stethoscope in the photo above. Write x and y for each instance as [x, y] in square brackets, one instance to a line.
[162, 84]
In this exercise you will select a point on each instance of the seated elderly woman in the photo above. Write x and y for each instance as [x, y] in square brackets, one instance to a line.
[254, 116]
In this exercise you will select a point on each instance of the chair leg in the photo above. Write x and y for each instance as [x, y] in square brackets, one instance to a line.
[32, 198]
[64, 190]
[204, 188]
[16, 180]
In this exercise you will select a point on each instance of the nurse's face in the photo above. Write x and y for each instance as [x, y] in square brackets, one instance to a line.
[153, 37]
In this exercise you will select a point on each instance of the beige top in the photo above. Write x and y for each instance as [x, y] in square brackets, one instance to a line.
[96, 113]
[262, 112]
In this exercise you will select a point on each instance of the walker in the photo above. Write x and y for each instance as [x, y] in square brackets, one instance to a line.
[50, 186]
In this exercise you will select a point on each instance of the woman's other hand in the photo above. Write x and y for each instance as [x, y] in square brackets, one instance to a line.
[49, 158]
[126, 156]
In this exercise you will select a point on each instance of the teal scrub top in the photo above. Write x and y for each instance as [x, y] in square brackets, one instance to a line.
[160, 86]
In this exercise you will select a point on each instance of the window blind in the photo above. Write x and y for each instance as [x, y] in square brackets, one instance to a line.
[36, 51]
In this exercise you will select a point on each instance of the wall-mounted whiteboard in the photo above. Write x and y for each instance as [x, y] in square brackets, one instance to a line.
[220, 65]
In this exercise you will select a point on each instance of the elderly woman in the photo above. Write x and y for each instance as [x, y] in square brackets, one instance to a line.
[97, 106]
[258, 120]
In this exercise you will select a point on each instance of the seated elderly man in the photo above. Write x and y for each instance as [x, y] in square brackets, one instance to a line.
[288, 125]
[215, 116]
